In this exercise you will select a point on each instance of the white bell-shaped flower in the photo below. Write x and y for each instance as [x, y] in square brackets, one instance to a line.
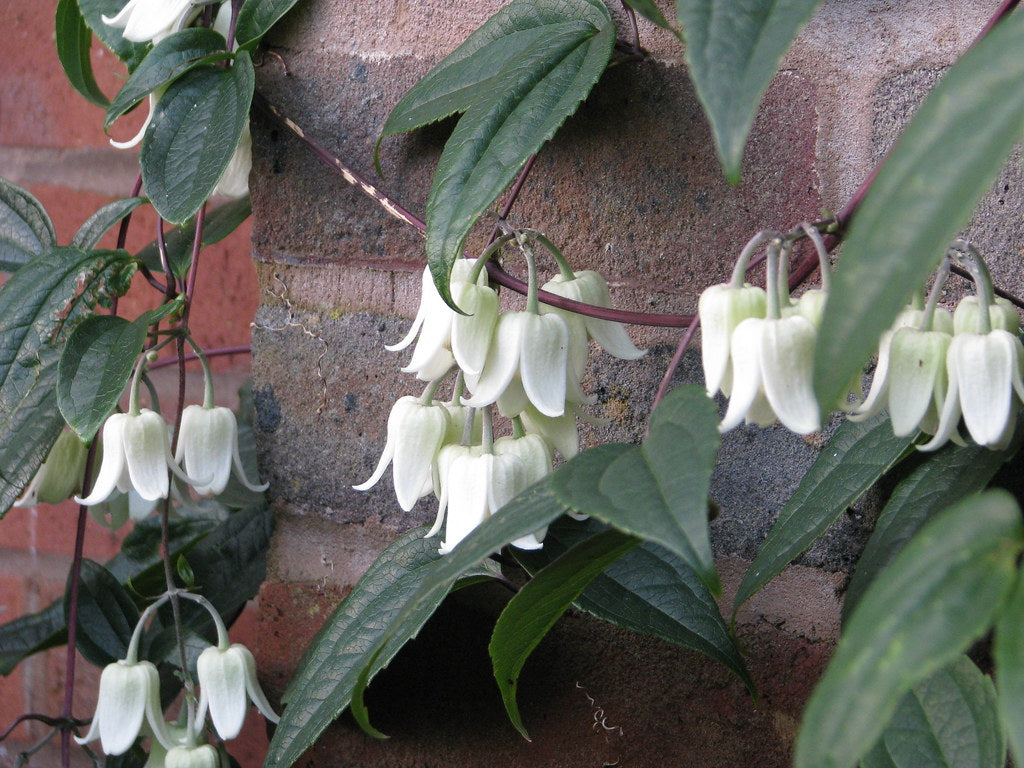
[772, 368]
[208, 445]
[227, 683]
[721, 309]
[60, 476]
[416, 433]
[146, 21]
[203, 756]
[472, 332]
[136, 454]
[129, 692]
[1001, 313]
[534, 347]
[918, 380]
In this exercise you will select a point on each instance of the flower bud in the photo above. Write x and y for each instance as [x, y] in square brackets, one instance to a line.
[60, 476]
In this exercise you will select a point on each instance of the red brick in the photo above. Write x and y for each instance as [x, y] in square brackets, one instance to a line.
[12, 687]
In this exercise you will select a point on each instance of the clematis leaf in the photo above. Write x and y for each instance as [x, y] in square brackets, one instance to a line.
[1008, 654]
[258, 16]
[97, 225]
[941, 593]
[106, 615]
[74, 38]
[25, 227]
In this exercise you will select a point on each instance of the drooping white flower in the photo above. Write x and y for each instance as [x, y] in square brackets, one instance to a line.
[136, 454]
[985, 386]
[146, 21]
[208, 445]
[534, 347]
[918, 380]
[227, 683]
[1001, 313]
[721, 309]
[234, 181]
[472, 332]
[772, 367]
[60, 476]
[203, 756]
[416, 433]
[129, 692]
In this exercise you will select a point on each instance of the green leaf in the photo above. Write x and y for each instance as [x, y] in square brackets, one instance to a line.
[49, 291]
[95, 366]
[258, 16]
[733, 50]
[941, 593]
[529, 615]
[218, 224]
[97, 225]
[511, 116]
[658, 491]
[30, 634]
[25, 227]
[648, 590]
[923, 195]
[856, 456]
[948, 720]
[93, 11]
[1008, 654]
[169, 59]
[74, 38]
[106, 615]
[388, 606]
[196, 126]
[939, 480]
[650, 11]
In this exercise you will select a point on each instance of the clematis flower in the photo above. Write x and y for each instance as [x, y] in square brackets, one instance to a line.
[129, 692]
[985, 386]
[772, 366]
[234, 182]
[136, 455]
[534, 347]
[203, 756]
[721, 309]
[416, 433]
[917, 380]
[208, 442]
[60, 476]
[145, 21]
[227, 682]
[1001, 313]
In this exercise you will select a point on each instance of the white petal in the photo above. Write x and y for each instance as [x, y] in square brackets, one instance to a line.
[222, 682]
[560, 431]
[745, 350]
[113, 467]
[121, 705]
[119, 19]
[145, 449]
[154, 19]
[542, 364]
[787, 360]
[252, 685]
[985, 371]
[502, 360]
[204, 445]
[513, 401]
[467, 487]
[918, 362]
[426, 285]
[418, 438]
[234, 181]
[950, 416]
[137, 138]
[721, 309]
[471, 333]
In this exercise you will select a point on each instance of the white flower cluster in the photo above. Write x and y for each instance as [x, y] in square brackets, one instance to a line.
[933, 366]
[528, 364]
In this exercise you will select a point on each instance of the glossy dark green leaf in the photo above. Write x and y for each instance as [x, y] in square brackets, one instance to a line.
[923, 195]
[648, 590]
[218, 224]
[388, 606]
[106, 615]
[95, 366]
[169, 59]
[658, 491]
[258, 16]
[30, 634]
[856, 456]
[942, 592]
[733, 50]
[196, 126]
[93, 11]
[35, 303]
[97, 225]
[25, 227]
[650, 11]
[948, 720]
[1008, 653]
[937, 481]
[529, 615]
[519, 108]
[74, 38]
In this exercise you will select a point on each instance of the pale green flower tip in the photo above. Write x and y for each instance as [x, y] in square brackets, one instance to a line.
[60, 476]
[1002, 316]
[204, 756]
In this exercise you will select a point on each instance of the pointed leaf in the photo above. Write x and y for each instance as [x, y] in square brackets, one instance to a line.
[258, 16]
[30, 634]
[923, 195]
[218, 224]
[733, 50]
[529, 615]
[659, 491]
[106, 615]
[941, 593]
[521, 108]
[52, 289]
[1008, 653]
[93, 12]
[25, 227]
[196, 126]
[939, 480]
[169, 59]
[97, 225]
[74, 38]
[856, 456]
[948, 720]
[95, 366]
[650, 11]
[648, 590]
